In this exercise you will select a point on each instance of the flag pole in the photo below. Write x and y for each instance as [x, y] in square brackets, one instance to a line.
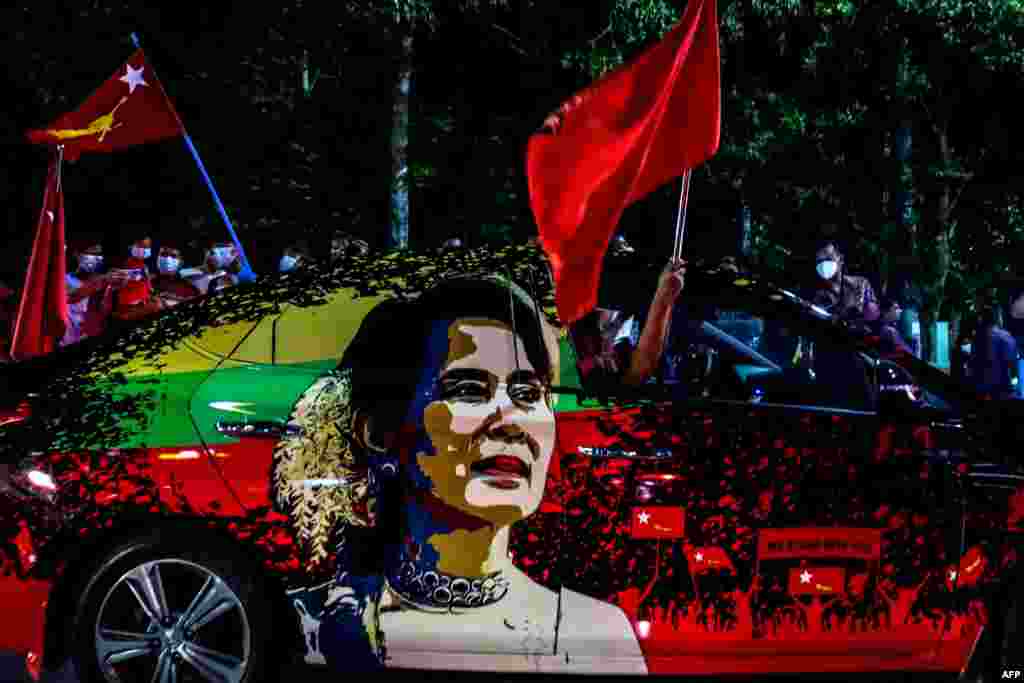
[684, 199]
[246, 274]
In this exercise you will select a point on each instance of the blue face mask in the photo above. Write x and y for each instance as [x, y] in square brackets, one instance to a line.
[287, 263]
[168, 264]
[90, 263]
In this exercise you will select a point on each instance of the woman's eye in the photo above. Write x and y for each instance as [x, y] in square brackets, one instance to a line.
[464, 390]
[526, 393]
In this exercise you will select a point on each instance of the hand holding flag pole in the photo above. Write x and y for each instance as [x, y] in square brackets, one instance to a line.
[615, 142]
[246, 274]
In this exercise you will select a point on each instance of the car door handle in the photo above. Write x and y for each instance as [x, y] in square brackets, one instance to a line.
[259, 430]
[615, 452]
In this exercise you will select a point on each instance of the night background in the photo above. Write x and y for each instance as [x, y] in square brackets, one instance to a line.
[890, 124]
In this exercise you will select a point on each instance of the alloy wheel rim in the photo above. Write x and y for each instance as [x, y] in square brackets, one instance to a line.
[172, 621]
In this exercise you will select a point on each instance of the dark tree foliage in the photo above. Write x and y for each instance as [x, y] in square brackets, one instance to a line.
[292, 106]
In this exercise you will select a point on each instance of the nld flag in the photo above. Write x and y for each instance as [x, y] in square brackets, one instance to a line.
[130, 108]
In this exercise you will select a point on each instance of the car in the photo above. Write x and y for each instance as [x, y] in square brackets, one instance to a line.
[398, 462]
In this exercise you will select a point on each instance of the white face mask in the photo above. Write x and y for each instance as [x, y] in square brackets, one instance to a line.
[827, 269]
[141, 252]
[287, 263]
[966, 348]
[168, 264]
[90, 263]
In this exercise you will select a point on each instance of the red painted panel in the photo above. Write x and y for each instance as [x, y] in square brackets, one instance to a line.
[24, 602]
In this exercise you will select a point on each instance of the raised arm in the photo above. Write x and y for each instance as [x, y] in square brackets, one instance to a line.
[651, 345]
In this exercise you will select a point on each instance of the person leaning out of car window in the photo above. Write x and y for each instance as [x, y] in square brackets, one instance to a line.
[611, 347]
[171, 288]
[841, 376]
[849, 297]
[994, 356]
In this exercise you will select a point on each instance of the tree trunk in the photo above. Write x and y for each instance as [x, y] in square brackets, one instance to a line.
[940, 248]
[400, 178]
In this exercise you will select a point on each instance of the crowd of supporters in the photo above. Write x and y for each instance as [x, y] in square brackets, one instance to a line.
[148, 278]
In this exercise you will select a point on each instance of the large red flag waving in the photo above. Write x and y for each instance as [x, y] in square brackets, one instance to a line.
[131, 108]
[615, 142]
[43, 310]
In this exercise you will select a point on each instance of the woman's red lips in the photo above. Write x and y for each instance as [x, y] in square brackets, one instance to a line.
[502, 464]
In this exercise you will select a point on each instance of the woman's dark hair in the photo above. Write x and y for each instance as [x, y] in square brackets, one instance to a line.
[387, 355]
[834, 242]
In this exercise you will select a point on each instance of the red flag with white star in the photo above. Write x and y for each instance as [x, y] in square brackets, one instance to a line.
[708, 559]
[43, 311]
[130, 108]
[816, 580]
[657, 521]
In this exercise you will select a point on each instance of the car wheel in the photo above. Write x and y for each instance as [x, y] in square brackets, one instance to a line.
[164, 613]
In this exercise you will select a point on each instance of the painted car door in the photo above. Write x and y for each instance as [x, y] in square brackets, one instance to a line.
[738, 525]
[852, 536]
[446, 605]
[242, 408]
[434, 602]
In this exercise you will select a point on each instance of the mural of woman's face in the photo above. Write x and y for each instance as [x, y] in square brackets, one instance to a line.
[490, 425]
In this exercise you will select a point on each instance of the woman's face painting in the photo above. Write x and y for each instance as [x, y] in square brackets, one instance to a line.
[490, 425]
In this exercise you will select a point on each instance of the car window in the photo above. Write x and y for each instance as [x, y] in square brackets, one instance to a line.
[732, 354]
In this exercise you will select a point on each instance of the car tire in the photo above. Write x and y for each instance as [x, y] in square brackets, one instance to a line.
[213, 610]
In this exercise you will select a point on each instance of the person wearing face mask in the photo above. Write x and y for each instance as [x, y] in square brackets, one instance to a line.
[293, 258]
[85, 288]
[142, 249]
[219, 269]
[849, 297]
[841, 375]
[170, 287]
[134, 298]
[960, 354]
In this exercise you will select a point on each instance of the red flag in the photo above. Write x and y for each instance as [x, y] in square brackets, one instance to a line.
[615, 142]
[43, 310]
[657, 522]
[708, 559]
[131, 108]
[816, 580]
